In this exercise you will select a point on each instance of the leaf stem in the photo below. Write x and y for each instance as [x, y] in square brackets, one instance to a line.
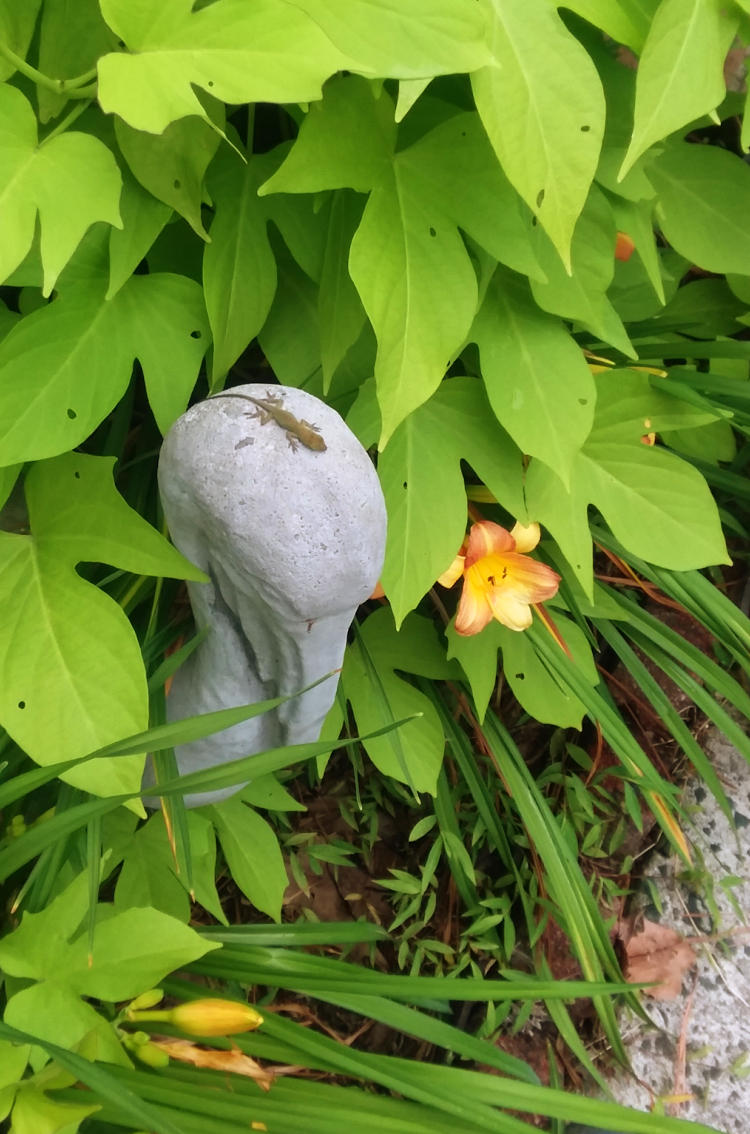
[88, 92]
[77, 87]
[68, 120]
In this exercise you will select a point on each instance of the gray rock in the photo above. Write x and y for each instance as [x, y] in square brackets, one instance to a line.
[711, 903]
[292, 540]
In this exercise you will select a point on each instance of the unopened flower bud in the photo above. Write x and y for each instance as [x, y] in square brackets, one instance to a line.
[214, 1017]
[151, 1055]
[147, 999]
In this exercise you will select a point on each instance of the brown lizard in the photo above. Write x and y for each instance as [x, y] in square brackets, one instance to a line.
[271, 408]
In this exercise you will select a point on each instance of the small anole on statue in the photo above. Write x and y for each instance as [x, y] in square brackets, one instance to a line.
[271, 408]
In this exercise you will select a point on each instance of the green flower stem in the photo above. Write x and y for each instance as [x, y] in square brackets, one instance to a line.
[75, 88]
[153, 1015]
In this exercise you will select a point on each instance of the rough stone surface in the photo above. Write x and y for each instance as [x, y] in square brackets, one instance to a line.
[292, 540]
[713, 904]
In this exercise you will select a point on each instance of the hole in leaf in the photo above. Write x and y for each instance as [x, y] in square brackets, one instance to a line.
[77, 475]
[72, 414]
[177, 184]
[22, 704]
[534, 222]
[539, 198]
[432, 231]
[520, 676]
[195, 334]
[210, 82]
[405, 483]
[585, 129]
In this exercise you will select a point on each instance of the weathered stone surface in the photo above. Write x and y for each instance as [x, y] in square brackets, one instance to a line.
[711, 904]
[292, 540]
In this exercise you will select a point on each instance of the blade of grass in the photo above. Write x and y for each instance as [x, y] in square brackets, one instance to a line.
[437, 1032]
[16, 853]
[656, 791]
[251, 965]
[162, 736]
[300, 933]
[648, 685]
[567, 887]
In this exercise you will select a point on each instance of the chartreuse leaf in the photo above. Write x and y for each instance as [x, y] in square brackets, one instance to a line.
[657, 506]
[16, 29]
[407, 259]
[143, 218]
[253, 855]
[542, 105]
[409, 91]
[624, 21]
[267, 51]
[8, 478]
[581, 297]
[71, 674]
[420, 39]
[239, 267]
[36, 1110]
[147, 877]
[341, 315]
[72, 36]
[412, 754]
[703, 205]
[636, 219]
[681, 70]
[345, 141]
[455, 161]
[536, 377]
[203, 860]
[290, 338]
[133, 951]
[171, 166]
[418, 288]
[65, 366]
[45, 179]
[420, 473]
[51, 1010]
[13, 1060]
[539, 691]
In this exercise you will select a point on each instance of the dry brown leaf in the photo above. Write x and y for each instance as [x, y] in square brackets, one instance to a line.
[657, 953]
[233, 1060]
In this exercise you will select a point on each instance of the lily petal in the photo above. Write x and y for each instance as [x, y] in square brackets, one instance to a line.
[486, 538]
[453, 574]
[474, 611]
[510, 611]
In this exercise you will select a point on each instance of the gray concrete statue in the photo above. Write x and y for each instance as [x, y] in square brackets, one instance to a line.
[268, 491]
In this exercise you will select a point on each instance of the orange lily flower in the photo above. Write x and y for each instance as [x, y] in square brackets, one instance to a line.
[500, 580]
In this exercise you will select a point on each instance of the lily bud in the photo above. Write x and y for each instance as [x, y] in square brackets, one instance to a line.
[147, 999]
[151, 1055]
[214, 1017]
